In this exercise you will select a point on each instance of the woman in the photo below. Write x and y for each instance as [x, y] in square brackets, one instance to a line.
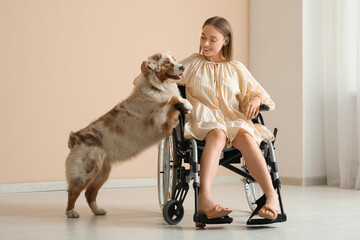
[225, 97]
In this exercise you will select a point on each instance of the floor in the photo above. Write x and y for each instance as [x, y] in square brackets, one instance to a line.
[133, 213]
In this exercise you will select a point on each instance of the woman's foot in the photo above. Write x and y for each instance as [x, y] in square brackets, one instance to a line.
[204, 204]
[271, 207]
[212, 210]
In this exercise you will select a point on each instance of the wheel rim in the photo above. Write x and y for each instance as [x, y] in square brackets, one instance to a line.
[166, 171]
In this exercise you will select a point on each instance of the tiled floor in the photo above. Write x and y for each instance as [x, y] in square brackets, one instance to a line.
[133, 213]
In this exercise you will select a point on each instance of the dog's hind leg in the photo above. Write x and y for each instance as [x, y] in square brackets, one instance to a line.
[94, 187]
[82, 166]
[74, 190]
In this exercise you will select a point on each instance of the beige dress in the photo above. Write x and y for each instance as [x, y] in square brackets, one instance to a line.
[219, 93]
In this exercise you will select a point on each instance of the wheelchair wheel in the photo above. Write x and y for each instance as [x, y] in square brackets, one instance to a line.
[172, 213]
[252, 188]
[167, 172]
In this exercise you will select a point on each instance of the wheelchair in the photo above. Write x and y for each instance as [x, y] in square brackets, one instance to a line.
[178, 165]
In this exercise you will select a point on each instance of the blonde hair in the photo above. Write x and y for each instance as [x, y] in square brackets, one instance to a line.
[225, 29]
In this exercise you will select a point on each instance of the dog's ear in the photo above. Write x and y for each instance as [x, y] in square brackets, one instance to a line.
[153, 62]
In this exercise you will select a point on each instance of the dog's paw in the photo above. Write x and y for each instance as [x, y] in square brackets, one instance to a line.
[187, 106]
[96, 210]
[100, 212]
[72, 214]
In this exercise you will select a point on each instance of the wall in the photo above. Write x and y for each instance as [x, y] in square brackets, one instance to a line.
[313, 95]
[276, 61]
[64, 63]
[283, 54]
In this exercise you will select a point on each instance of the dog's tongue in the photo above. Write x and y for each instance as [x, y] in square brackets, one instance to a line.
[178, 77]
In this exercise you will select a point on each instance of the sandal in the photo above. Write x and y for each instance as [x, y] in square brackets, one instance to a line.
[265, 208]
[217, 212]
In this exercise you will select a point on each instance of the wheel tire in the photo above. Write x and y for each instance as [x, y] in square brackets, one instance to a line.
[172, 213]
[167, 173]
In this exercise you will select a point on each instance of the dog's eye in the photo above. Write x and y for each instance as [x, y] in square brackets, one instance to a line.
[167, 62]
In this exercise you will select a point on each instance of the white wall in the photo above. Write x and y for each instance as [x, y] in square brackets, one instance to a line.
[282, 58]
[276, 62]
[313, 96]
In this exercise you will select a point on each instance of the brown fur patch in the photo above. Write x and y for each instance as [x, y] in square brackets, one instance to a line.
[87, 137]
[90, 165]
[156, 57]
[172, 116]
[165, 69]
[109, 121]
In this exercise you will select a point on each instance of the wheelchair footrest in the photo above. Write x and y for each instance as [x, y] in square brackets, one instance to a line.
[260, 203]
[280, 218]
[204, 219]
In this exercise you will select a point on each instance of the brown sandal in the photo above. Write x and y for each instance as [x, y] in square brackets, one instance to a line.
[262, 213]
[217, 212]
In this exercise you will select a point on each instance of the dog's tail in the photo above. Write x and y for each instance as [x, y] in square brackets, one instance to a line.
[88, 137]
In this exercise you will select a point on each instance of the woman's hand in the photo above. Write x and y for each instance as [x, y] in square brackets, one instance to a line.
[144, 69]
[252, 108]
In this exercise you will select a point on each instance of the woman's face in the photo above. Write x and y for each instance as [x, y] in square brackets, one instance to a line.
[211, 42]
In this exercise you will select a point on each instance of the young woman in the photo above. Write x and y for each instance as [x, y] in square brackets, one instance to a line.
[225, 97]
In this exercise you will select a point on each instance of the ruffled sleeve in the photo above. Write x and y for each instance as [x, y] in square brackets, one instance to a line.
[250, 88]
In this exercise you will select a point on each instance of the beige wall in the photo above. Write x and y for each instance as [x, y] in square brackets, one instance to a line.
[64, 63]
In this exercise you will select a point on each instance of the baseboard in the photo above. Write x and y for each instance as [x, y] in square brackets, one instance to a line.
[308, 181]
[144, 182]
[291, 181]
[315, 181]
[112, 183]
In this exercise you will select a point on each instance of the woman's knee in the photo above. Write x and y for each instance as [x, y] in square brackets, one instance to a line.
[216, 136]
[242, 138]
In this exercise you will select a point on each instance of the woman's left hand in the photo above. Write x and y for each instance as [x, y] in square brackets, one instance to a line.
[252, 108]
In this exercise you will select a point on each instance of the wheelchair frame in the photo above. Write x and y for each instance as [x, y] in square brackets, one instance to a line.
[174, 178]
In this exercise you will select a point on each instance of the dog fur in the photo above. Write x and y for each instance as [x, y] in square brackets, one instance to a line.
[140, 121]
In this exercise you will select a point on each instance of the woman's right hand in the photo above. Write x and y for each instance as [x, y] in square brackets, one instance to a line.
[144, 69]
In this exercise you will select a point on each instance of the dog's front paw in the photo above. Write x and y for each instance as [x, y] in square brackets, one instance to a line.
[72, 214]
[187, 106]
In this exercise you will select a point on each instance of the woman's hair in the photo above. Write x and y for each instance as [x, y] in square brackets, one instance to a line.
[225, 29]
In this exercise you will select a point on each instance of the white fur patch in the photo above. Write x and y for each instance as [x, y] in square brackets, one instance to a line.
[96, 210]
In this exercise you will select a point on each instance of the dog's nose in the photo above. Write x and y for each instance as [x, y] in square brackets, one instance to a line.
[182, 68]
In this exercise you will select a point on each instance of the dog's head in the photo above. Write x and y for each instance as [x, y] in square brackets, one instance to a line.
[165, 66]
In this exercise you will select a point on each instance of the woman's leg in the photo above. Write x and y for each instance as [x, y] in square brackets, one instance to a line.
[215, 143]
[257, 166]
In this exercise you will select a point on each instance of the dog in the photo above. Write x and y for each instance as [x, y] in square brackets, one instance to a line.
[140, 121]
